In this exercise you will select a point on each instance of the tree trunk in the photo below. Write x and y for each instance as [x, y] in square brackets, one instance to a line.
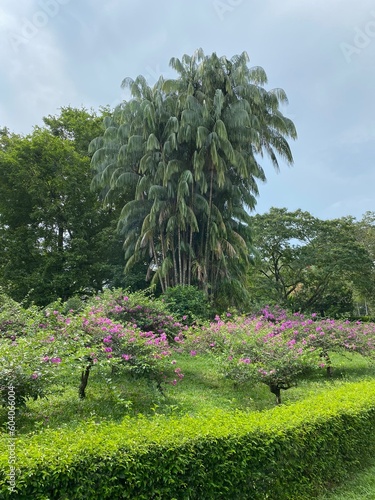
[190, 255]
[84, 380]
[179, 256]
[206, 257]
[174, 264]
[277, 391]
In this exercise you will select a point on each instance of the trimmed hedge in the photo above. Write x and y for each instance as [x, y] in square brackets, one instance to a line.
[288, 453]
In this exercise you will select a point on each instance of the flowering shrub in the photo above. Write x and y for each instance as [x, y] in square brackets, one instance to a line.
[29, 366]
[99, 336]
[141, 311]
[15, 320]
[276, 349]
[188, 303]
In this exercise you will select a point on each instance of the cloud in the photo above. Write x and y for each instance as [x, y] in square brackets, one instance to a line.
[36, 81]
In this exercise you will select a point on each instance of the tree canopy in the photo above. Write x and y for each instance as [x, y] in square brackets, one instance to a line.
[56, 238]
[184, 155]
[309, 264]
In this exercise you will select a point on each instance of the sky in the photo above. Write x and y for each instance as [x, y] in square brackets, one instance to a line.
[56, 53]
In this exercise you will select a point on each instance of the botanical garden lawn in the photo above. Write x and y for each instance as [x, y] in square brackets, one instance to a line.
[112, 397]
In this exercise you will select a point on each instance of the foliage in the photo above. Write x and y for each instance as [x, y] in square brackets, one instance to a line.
[276, 350]
[188, 303]
[83, 339]
[56, 239]
[288, 452]
[28, 365]
[307, 264]
[182, 155]
[141, 310]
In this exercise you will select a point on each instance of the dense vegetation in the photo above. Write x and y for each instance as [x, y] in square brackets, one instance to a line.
[166, 192]
[123, 361]
[137, 291]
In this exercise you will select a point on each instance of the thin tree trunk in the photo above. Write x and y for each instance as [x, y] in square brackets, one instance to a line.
[206, 258]
[174, 264]
[179, 254]
[156, 264]
[84, 380]
[164, 254]
[277, 392]
[60, 239]
[190, 255]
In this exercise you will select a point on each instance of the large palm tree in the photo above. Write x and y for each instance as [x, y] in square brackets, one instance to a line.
[184, 156]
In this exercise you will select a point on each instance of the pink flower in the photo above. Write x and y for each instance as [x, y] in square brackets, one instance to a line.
[34, 375]
[174, 382]
[245, 360]
[126, 356]
[108, 349]
[193, 353]
[184, 317]
[173, 362]
[55, 360]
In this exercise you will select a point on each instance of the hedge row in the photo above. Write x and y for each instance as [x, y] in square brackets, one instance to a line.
[289, 452]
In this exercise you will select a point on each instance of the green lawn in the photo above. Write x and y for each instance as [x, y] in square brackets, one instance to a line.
[112, 397]
[361, 486]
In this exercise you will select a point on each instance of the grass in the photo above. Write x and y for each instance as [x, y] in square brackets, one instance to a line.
[112, 397]
[361, 486]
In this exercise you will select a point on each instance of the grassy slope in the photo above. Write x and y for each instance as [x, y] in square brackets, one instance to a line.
[201, 389]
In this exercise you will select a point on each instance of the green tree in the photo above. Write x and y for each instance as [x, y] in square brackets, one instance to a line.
[307, 263]
[56, 237]
[365, 235]
[183, 155]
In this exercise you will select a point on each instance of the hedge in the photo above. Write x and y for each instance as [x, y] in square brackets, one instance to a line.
[289, 452]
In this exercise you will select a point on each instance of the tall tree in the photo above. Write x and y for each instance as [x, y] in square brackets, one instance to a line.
[184, 155]
[56, 237]
[307, 263]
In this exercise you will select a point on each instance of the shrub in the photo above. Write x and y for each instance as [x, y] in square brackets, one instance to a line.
[142, 311]
[290, 452]
[188, 303]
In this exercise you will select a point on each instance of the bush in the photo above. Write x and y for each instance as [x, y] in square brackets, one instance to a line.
[188, 303]
[287, 453]
[142, 310]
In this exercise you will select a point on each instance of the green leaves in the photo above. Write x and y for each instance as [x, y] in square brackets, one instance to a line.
[196, 137]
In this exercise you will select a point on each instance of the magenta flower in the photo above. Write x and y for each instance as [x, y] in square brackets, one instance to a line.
[34, 375]
[193, 353]
[55, 360]
[108, 349]
[126, 356]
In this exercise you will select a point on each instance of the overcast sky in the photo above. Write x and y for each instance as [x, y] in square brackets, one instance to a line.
[55, 53]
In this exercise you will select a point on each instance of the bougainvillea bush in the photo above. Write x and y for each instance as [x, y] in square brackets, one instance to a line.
[277, 349]
[81, 341]
[142, 310]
